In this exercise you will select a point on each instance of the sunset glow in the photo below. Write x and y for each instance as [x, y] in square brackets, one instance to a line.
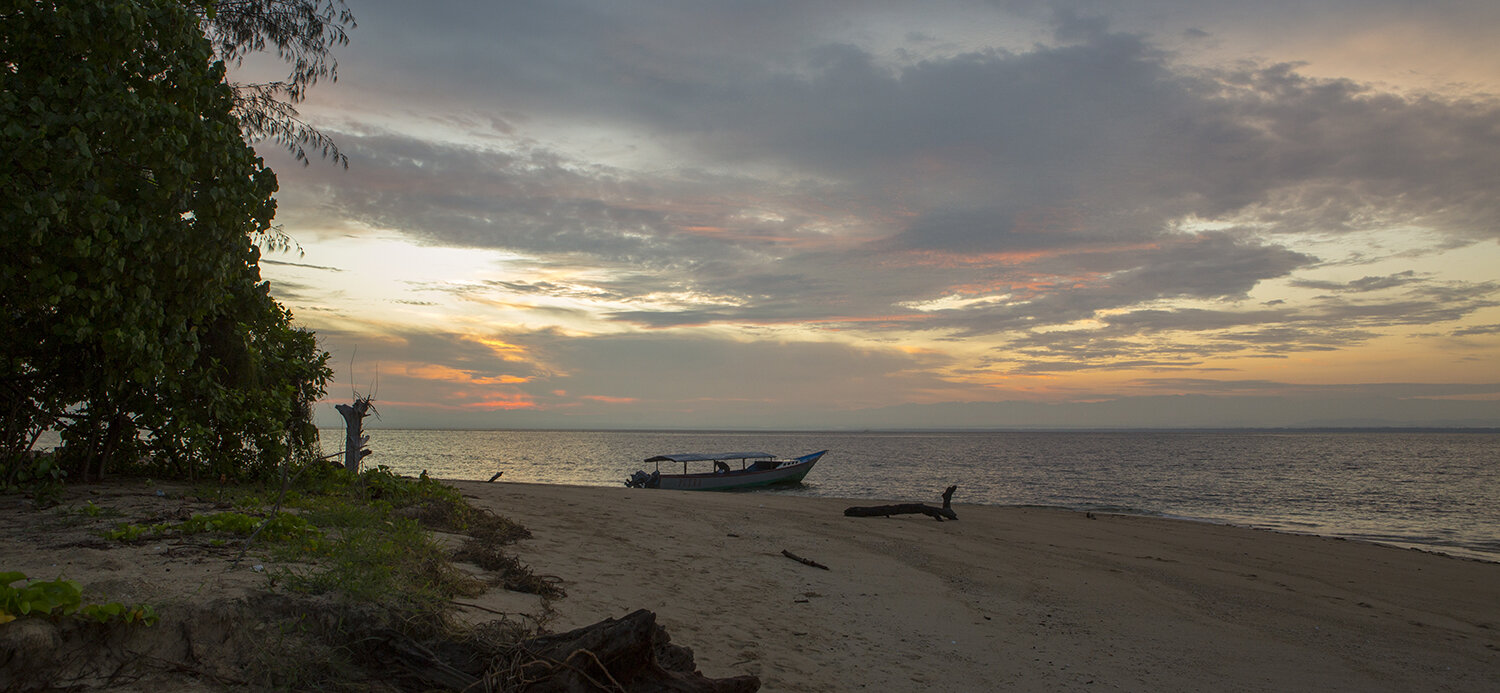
[901, 215]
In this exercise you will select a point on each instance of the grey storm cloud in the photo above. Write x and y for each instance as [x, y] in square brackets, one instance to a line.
[1101, 119]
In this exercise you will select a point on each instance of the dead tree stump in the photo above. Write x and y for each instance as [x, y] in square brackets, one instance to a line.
[354, 437]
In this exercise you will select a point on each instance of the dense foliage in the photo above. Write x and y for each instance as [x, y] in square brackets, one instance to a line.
[134, 318]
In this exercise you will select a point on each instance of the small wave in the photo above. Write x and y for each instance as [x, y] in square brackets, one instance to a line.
[1105, 509]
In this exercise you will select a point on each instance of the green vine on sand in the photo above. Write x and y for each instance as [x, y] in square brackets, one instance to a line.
[58, 598]
[280, 527]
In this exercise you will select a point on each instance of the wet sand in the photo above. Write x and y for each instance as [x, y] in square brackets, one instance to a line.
[1005, 598]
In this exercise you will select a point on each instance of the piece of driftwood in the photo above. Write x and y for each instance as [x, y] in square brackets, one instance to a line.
[415, 664]
[631, 654]
[939, 514]
[496, 476]
[803, 561]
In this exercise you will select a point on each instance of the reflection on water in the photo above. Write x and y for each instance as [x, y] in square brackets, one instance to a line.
[1434, 490]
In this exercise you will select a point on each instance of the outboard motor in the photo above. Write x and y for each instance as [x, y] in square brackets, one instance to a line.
[638, 479]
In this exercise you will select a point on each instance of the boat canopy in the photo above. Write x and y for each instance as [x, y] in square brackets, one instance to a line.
[703, 457]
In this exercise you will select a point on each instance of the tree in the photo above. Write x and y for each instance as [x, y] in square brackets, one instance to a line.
[303, 33]
[129, 210]
[246, 404]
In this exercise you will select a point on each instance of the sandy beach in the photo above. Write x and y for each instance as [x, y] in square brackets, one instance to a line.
[1005, 598]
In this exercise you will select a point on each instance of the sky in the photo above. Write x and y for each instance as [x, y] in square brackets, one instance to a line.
[937, 214]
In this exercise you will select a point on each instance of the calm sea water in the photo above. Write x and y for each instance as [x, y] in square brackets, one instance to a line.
[1438, 491]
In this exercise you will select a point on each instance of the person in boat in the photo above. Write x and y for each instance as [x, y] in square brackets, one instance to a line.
[720, 467]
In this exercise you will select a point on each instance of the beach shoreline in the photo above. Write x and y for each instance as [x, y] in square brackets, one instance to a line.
[1019, 598]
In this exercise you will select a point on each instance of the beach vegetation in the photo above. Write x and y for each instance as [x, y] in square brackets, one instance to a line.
[278, 527]
[61, 598]
[372, 543]
[129, 532]
[135, 324]
[37, 474]
[356, 566]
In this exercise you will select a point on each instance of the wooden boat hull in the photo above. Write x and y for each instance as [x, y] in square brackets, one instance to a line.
[766, 471]
[725, 481]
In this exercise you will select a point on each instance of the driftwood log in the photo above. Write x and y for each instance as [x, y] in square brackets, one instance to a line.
[631, 654]
[803, 561]
[939, 514]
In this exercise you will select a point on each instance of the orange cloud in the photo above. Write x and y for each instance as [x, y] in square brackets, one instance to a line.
[841, 319]
[503, 349]
[516, 402]
[951, 259]
[502, 403]
[432, 371]
[948, 259]
[611, 400]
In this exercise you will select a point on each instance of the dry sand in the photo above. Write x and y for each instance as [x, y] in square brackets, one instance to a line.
[1005, 598]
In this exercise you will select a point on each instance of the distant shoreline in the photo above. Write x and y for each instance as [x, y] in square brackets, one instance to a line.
[845, 431]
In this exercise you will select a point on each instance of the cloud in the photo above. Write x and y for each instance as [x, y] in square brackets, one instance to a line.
[973, 153]
[1324, 325]
[1092, 188]
[1106, 121]
[659, 376]
[1395, 390]
[1477, 330]
[1363, 284]
[675, 370]
[269, 261]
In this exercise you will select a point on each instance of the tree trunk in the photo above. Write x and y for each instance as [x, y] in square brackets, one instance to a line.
[354, 438]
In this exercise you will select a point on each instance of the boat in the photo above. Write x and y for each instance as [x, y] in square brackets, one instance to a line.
[755, 469]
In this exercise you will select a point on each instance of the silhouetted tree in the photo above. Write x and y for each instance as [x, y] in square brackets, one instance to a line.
[132, 314]
[303, 34]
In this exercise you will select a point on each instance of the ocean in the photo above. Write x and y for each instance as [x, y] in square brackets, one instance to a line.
[1435, 491]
